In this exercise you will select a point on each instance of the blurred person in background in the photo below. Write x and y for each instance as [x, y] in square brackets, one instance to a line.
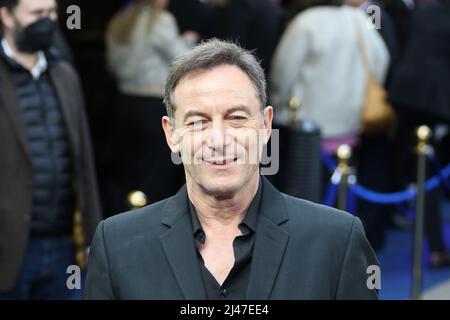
[374, 152]
[197, 15]
[254, 24]
[319, 62]
[142, 40]
[420, 91]
[400, 11]
[47, 169]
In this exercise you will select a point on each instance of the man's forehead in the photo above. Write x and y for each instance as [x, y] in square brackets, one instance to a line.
[222, 82]
[218, 76]
[209, 100]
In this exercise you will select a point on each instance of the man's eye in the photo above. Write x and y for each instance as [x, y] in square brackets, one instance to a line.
[196, 123]
[238, 118]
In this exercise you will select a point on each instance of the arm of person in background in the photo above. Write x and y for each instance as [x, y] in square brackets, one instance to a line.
[288, 59]
[168, 39]
[92, 210]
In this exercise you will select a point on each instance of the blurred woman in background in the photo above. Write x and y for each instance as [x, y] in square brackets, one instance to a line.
[323, 61]
[318, 61]
[142, 40]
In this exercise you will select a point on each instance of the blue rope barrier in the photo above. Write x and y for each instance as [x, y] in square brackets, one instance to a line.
[388, 198]
[383, 198]
[396, 197]
[329, 162]
[438, 168]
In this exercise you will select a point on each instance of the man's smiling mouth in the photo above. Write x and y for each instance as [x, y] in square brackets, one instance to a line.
[221, 162]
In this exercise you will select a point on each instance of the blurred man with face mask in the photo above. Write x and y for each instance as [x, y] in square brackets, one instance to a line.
[46, 166]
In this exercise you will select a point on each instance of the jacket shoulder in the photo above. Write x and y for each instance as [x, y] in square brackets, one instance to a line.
[126, 224]
[143, 218]
[309, 215]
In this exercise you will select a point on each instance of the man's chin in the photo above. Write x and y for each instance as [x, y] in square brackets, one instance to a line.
[221, 189]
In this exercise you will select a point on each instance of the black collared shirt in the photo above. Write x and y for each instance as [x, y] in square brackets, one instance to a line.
[235, 285]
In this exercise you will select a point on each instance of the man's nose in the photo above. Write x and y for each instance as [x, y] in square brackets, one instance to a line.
[217, 136]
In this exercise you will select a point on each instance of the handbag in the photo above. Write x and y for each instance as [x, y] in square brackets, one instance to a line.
[378, 115]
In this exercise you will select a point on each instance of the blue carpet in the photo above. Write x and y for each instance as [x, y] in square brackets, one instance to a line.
[396, 263]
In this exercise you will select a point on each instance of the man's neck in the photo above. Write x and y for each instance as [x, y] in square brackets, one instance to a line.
[218, 213]
[27, 60]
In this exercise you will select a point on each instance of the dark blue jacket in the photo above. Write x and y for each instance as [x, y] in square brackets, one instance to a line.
[49, 149]
[422, 79]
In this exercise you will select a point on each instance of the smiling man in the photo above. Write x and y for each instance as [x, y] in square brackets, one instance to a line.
[228, 234]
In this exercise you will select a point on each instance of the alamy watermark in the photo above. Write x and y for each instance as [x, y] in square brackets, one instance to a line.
[73, 22]
[232, 148]
[74, 280]
[374, 279]
[374, 19]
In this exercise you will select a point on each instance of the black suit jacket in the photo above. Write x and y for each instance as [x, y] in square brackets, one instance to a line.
[302, 250]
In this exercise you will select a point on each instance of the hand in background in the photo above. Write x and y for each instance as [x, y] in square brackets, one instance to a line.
[191, 36]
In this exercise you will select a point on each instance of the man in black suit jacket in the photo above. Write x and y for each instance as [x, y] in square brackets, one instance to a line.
[228, 234]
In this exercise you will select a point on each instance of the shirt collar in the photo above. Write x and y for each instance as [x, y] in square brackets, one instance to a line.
[39, 68]
[250, 219]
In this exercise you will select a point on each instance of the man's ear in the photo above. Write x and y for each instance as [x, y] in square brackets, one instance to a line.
[268, 117]
[6, 18]
[172, 137]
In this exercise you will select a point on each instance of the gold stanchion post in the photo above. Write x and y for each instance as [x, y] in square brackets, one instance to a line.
[137, 199]
[423, 135]
[344, 153]
[294, 105]
[78, 239]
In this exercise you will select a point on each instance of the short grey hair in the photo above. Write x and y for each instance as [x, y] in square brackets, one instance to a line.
[211, 54]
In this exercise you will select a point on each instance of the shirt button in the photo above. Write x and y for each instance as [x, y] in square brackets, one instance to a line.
[224, 293]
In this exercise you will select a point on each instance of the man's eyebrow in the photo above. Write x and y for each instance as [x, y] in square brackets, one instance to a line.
[193, 113]
[238, 108]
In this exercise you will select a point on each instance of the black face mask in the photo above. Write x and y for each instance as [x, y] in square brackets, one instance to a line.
[36, 36]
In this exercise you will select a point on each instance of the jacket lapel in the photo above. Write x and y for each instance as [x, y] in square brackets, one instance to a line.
[10, 102]
[270, 243]
[65, 99]
[179, 247]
